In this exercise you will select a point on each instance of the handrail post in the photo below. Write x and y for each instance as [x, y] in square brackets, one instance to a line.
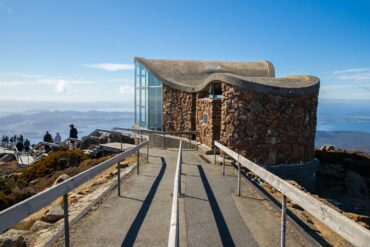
[239, 177]
[214, 153]
[180, 167]
[190, 141]
[147, 152]
[283, 222]
[223, 164]
[119, 179]
[66, 222]
[164, 140]
[138, 162]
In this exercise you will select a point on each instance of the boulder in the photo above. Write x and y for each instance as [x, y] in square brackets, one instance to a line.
[327, 147]
[356, 184]
[89, 142]
[8, 158]
[39, 225]
[53, 214]
[61, 178]
[12, 238]
[104, 139]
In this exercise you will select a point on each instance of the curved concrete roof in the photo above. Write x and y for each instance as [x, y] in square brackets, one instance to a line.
[193, 76]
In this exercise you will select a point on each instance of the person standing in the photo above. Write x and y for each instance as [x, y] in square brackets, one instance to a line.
[19, 146]
[73, 135]
[27, 145]
[47, 138]
[57, 138]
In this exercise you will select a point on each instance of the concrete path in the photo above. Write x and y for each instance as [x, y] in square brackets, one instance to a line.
[211, 216]
[210, 212]
[140, 216]
[216, 216]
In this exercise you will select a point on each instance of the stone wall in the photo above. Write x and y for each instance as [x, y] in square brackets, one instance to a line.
[268, 129]
[209, 131]
[178, 110]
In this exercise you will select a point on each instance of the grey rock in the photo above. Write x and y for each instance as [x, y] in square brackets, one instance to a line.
[7, 158]
[53, 214]
[327, 147]
[12, 238]
[356, 184]
[61, 178]
[39, 225]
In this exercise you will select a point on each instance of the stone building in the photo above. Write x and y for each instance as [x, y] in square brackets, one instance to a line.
[266, 119]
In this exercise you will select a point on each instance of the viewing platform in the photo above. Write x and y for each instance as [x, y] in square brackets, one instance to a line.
[182, 196]
[211, 214]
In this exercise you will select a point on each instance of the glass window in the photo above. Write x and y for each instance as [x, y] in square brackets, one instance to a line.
[215, 90]
[148, 98]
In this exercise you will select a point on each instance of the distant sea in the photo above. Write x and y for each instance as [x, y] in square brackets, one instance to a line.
[86, 130]
[338, 122]
[343, 116]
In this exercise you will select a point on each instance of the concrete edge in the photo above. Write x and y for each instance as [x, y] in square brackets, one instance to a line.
[81, 214]
[262, 192]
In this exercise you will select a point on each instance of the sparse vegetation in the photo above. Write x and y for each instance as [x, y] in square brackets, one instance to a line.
[18, 184]
[58, 160]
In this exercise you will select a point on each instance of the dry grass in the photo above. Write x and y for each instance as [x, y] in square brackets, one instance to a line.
[80, 191]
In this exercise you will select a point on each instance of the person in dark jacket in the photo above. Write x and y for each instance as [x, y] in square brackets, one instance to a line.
[27, 145]
[73, 134]
[47, 138]
[19, 146]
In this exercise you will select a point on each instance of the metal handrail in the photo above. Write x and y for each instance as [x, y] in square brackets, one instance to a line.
[21, 210]
[170, 134]
[156, 131]
[173, 237]
[345, 227]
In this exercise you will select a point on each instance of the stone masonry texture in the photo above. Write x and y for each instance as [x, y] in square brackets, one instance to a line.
[268, 129]
[265, 128]
[178, 110]
[210, 131]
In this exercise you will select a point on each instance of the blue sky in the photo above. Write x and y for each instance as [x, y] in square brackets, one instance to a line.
[82, 50]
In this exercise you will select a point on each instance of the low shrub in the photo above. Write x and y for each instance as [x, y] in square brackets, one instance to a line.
[58, 160]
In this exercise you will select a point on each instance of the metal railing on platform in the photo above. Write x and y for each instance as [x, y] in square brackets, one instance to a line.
[173, 237]
[345, 227]
[23, 209]
[166, 136]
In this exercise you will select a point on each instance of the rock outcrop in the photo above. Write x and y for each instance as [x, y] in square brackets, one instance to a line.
[12, 238]
[53, 214]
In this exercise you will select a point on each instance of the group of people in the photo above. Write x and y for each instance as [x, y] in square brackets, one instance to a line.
[25, 144]
[18, 141]
[73, 136]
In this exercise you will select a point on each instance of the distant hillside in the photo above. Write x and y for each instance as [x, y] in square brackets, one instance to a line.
[348, 140]
[34, 125]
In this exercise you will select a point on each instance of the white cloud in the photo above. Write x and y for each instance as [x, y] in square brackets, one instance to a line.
[357, 74]
[345, 91]
[11, 84]
[58, 83]
[126, 90]
[111, 66]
